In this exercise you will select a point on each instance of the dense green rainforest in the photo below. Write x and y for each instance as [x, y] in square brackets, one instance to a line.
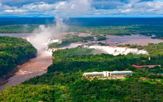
[64, 82]
[149, 30]
[17, 28]
[14, 51]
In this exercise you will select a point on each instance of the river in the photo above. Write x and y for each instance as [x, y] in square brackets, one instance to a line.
[34, 67]
[136, 39]
[38, 66]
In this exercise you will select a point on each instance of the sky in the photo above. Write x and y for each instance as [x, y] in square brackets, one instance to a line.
[81, 8]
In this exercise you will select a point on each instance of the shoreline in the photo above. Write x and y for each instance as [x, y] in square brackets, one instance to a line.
[136, 39]
[5, 79]
[39, 64]
[32, 68]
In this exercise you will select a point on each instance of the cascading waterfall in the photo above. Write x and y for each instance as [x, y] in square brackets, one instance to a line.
[41, 37]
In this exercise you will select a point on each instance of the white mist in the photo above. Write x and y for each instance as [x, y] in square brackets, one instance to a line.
[41, 36]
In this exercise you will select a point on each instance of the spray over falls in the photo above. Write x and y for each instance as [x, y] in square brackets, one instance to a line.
[43, 35]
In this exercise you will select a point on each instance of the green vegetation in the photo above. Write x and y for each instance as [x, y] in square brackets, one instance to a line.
[14, 51]
[96, 30]
[64, 81]
[76, 38]
[33, 93]
[155, 52]
[153, 49]
[123, 30]
[71, 39]
[93, 63]
[61, 54]
[17, 28]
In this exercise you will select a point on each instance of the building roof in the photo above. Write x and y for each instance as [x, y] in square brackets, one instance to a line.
[145, 66]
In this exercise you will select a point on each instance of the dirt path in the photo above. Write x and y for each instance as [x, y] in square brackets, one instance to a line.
[35, 67]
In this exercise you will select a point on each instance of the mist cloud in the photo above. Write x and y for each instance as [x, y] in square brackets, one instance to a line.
[42, 36]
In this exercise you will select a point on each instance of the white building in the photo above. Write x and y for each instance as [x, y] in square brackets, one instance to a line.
[108, 74]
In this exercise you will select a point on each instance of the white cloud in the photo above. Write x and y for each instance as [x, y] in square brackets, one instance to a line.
[150, 7]
[14, 11]
[74, 7]
[41, 6]
[84, 7]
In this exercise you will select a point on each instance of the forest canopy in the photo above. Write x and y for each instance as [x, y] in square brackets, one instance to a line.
[64, 82]
[14, 51]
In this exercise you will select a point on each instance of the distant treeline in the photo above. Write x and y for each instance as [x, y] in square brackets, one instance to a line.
[84, 21]
[96, 25]
[154, 30]
[25, 20]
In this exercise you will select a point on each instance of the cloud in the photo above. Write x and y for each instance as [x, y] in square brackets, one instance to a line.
[73, 7]
[133, 7]
[14, 11]
[39, 7]
[86, 7]
[149, 7]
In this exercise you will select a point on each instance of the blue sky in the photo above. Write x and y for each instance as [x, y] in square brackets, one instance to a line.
[81, 8]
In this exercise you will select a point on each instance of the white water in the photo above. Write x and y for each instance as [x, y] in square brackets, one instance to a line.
[113, 50]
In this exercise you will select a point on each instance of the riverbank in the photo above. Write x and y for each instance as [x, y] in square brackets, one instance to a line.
[136, 39]
[13, 52]
[34, 67]
[39, 65]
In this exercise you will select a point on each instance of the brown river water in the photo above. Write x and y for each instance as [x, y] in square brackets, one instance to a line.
[38, 66]
[131, 39]
[34, 67]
